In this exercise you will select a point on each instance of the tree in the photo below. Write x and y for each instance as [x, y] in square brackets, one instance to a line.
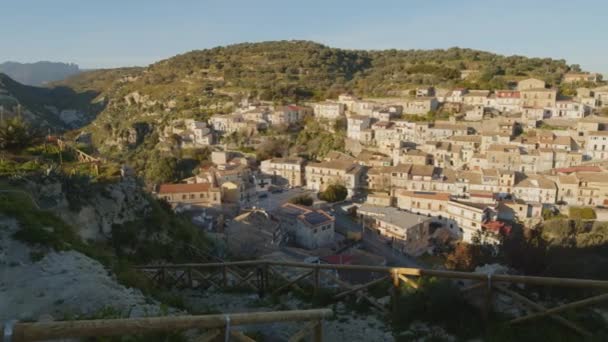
[14, 133]
[465, 257]
[271, 148]
[334, 193]
[161, 169]
[302, 200]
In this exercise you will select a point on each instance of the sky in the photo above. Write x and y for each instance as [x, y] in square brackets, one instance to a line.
[112, 33]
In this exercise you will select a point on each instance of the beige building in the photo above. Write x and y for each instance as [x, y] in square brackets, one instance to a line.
[536, 189]
[285, 170]
[419, 105]
[530, 83]
[574, 77]
[539, 98]
[200, 194]
[477, 98]
[422, 202]
[328, 110]
[289, 115]
[344, 172]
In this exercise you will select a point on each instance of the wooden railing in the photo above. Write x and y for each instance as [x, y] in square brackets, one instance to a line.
[216, 325]
[265, 272]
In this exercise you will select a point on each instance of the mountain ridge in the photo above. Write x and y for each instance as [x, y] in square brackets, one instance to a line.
[38, 73]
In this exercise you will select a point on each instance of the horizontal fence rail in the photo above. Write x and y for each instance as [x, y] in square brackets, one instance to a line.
[25, 332]
[242, 274]
[419, 272]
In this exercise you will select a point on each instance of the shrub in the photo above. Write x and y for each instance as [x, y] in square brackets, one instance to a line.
[161, 169]
[582, 213]
[302, 200]
[439, 302]
[334, 193]
[14, 133]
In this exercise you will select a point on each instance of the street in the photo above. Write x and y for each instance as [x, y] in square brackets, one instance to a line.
[273, 201]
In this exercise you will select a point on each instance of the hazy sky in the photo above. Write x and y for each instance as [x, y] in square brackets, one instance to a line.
[112, 33]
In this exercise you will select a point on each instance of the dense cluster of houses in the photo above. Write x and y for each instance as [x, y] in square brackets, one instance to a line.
[502, 155]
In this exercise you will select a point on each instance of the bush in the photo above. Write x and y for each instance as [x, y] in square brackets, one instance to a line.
[302, 200]
[439, 302]
[334, 193]
[465, 257]
[582, 213]
[161, 169]
[14, 133]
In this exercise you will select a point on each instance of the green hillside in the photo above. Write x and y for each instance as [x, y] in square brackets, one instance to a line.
[296, 70]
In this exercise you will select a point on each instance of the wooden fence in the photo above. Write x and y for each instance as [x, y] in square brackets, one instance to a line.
[266, 276]
[217, 326]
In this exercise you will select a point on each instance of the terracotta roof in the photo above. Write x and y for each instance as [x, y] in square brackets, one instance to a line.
[497, 227]
[184, 188]
[507, 94]
[578, 169]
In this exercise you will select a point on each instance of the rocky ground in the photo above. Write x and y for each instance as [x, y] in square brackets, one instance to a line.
[346, 325]
[60, 285]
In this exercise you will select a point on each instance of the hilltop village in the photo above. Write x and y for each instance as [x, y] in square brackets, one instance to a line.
[416, 172]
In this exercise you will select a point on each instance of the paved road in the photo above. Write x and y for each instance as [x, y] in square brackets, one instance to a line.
[273, 201]
[374, 243]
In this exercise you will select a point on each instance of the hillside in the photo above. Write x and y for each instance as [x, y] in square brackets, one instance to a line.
[59, 108]
[203, 82]
[39, 73]
[293, 70]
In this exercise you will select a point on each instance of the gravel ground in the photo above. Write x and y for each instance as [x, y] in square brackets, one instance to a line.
[346, 325]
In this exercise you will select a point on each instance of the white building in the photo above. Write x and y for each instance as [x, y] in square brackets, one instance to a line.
[466, 219]
[507, 100]
[309, 227]
[284, 170]
[328, 110]
[596, 145]
[356, 125]
[570, 110]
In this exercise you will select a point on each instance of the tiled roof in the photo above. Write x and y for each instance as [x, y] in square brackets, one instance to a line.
[184, 188]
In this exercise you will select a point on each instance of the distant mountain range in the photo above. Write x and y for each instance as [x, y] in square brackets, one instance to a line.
[39, 73]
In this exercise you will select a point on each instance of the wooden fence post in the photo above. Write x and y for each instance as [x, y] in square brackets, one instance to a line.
[163, 277]
[267, 276]
[316, 281]
[318, 332]
[224, 276]
[487, 305]
[395, 289]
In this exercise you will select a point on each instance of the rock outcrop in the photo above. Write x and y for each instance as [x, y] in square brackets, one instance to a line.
[60, 285]
[97, 211]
